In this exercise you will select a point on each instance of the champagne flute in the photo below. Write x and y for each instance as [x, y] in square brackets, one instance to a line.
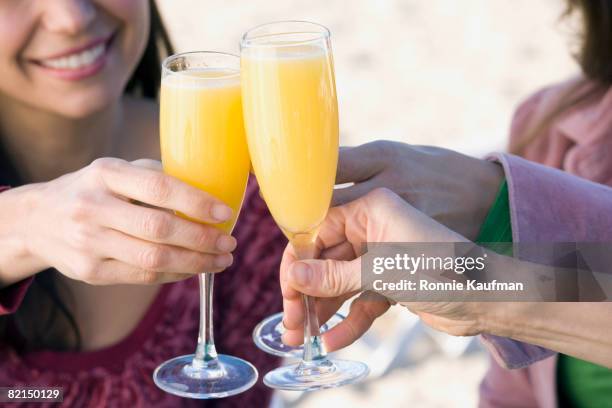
[291, 120]
[203, 143]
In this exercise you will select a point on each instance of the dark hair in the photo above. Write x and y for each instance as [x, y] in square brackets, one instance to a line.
[147, 76]
[45, 318]
[594, 55]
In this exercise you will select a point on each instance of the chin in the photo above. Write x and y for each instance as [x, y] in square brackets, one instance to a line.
[85, 104]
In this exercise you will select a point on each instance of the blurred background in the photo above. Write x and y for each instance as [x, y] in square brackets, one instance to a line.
[437, 72]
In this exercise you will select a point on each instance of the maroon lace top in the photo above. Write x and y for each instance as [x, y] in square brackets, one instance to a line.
[121, 375]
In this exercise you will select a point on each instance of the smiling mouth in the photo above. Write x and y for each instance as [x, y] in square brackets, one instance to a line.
[83, 58]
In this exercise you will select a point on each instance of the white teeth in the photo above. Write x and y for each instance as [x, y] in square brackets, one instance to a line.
[76, 61]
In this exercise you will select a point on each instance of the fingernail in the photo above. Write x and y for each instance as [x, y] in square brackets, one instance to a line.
[223, 261]
[300, 272]
[226, 243]
[221, 212]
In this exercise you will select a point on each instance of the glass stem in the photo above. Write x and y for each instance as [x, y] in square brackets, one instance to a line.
[313, 346]
[206, 353]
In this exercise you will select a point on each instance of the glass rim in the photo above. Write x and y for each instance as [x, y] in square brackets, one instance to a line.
[170, 58]
[324, 33]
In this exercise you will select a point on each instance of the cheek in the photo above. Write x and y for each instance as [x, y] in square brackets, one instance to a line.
[134, 17]
[13, 33]
[15, 29]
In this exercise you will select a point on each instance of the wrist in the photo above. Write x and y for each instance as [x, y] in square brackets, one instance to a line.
[505, 319]
[15, 262]
[28, 200]
[487, 182]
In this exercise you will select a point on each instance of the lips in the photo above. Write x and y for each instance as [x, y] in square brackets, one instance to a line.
[76, 60]
[79, 62]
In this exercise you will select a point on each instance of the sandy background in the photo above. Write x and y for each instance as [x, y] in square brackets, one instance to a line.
[440, 72]
[437, 72]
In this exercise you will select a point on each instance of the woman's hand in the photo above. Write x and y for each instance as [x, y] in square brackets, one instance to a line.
[88, 225]
[454, 189]
[378, 216]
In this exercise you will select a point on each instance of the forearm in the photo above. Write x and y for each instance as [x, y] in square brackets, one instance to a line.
[581, 330]
[16, 261]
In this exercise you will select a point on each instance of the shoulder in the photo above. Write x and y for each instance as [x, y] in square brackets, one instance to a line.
[557, 111]
[541, 103]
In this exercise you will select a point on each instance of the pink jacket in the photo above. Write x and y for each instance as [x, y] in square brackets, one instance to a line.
[548, 205]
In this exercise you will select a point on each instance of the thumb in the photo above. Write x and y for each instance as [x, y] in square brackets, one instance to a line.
[325, 278]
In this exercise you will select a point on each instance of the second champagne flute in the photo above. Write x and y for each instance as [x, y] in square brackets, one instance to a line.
[291, 120]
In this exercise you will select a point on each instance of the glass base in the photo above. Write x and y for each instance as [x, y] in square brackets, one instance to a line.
[267, 335]
[316, 375]
[230, 377]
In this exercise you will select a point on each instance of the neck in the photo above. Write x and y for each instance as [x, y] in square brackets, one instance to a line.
[44, 146]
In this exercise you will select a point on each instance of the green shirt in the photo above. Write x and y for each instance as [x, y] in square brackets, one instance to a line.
[580, 384]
